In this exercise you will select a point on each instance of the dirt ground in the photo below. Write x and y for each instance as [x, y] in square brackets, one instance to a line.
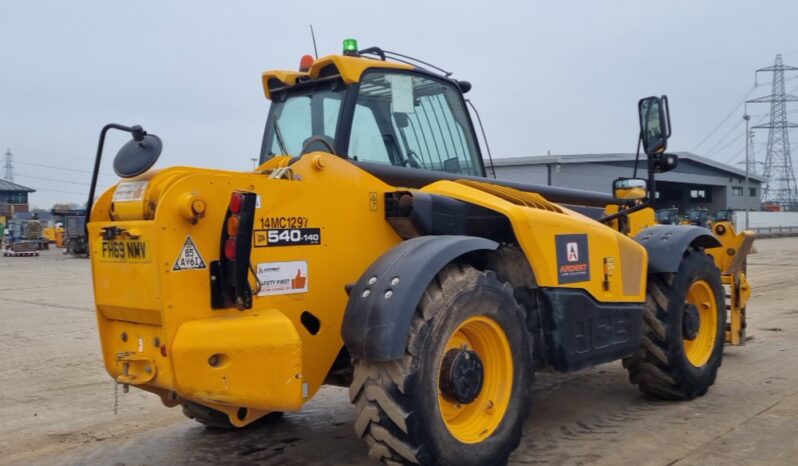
[57, 402]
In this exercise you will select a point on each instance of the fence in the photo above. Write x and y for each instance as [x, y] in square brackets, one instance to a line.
[768, 224]
[775, 232]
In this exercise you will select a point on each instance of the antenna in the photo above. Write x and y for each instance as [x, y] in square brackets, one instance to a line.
[313, 36]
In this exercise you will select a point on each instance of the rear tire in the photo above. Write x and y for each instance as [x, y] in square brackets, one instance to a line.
[670, 364]
[215, 419]
[406, 414]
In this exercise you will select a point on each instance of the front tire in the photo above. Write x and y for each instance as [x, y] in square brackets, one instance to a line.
[684, 325]
[461, 393]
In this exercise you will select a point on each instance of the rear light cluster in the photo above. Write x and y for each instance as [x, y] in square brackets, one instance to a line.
[230, 249]
[229, 277]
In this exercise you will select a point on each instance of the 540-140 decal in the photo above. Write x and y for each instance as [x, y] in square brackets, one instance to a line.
[287, 237]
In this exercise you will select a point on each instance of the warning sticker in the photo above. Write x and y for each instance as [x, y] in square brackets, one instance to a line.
[130, 191]
[189, 257]
[573, 258]
[283, 277]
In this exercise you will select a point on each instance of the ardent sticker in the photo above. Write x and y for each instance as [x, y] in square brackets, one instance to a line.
[130, 191]
[189, 257]
[278, 278]
[573, 258]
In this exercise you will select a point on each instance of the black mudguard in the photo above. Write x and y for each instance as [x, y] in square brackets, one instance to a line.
[666, 244]
[382, 302]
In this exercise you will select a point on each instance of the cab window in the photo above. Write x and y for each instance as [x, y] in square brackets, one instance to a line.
[414, 121]
[296, 117]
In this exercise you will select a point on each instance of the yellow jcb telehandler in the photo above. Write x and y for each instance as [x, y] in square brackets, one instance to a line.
[369, 250]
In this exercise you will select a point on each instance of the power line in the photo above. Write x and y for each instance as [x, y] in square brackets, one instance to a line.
[731, 159]
[59, 191]
[720, 125]
[723, 139]
[737, 138]
[726, 118]
[717, 147]
[54, 167]
[52, 179]
[68, 192]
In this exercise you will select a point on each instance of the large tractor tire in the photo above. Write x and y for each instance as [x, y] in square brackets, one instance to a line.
[683, 331]
[215, 419]
[461, 393]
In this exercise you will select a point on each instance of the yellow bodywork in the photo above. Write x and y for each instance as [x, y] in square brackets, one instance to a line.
[730, 258]
[157, 326]
[54, 235]
[637, 221]
[265, 359]
[349, 68]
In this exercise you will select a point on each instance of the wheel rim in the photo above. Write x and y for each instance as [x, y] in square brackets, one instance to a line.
[476, 421]
[699, 349]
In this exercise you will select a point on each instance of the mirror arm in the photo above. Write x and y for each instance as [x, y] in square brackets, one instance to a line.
[138, 134]
[652, 182]
[637, 154]
[622, 213]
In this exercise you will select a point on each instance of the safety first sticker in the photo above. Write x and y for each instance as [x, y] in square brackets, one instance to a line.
[189, 257]
[573, 258]
[278, 278]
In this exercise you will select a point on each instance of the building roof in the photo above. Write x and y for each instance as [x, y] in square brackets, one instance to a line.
[622, 157]
[9, 186]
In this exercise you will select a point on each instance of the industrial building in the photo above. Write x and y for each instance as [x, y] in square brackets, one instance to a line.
[697, 182]
[13, 198]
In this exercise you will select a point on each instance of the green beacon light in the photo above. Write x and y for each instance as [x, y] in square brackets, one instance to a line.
[350, 47]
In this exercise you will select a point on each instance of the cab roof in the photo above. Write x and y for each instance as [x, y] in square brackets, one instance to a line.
[347, 68]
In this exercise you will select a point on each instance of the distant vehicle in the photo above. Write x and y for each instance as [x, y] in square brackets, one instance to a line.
[669, 216]
[696, 216]
[725, 215]
[54, 235]
[74, 240]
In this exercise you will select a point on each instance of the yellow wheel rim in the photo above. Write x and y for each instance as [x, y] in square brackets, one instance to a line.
[699, 349]
[476, 421]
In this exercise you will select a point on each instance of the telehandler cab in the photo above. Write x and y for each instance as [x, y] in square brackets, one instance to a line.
[370, 250]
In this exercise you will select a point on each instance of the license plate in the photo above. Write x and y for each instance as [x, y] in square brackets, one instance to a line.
[124, 250]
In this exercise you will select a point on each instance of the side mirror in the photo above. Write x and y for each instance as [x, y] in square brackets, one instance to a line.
[133, 159]
[138, 155]
[655, 124]
[630, 188]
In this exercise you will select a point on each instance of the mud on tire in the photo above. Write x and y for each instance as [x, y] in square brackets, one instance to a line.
[399, 416]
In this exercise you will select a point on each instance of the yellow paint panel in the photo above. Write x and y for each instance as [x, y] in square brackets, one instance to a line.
[536, 230]
[255, 357]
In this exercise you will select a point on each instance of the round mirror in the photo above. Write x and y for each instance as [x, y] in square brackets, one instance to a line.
[136, 157]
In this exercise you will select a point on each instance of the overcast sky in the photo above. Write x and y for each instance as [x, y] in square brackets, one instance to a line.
[548, 76]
